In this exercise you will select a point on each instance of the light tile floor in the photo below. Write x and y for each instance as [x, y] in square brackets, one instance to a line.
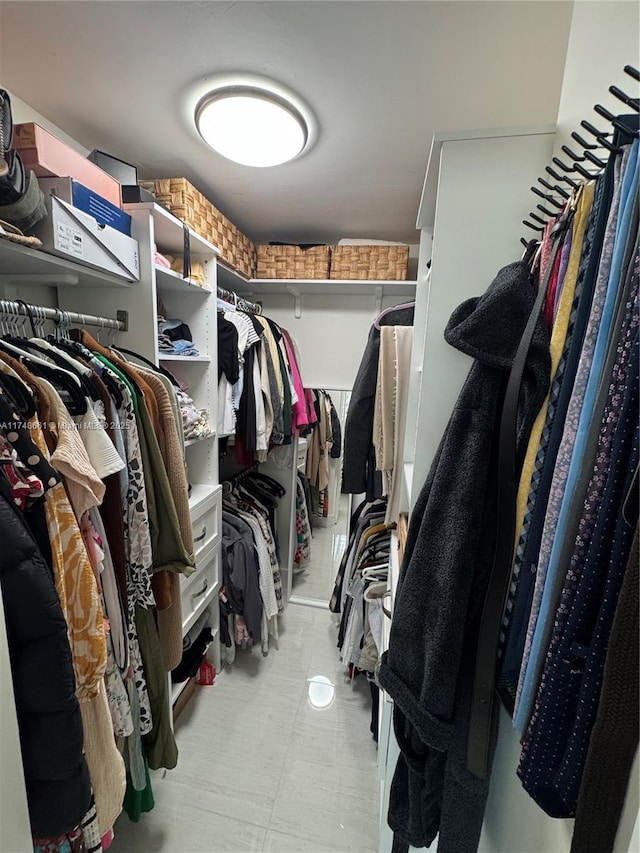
[260, 769]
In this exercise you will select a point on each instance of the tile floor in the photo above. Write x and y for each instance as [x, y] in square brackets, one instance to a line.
[327, 547]
[260, 769]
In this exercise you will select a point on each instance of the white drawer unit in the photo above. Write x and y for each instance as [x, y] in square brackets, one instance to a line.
[200, 589]
[301, 457]
[205, 520]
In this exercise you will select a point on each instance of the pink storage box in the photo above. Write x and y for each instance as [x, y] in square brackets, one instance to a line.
[51, 158]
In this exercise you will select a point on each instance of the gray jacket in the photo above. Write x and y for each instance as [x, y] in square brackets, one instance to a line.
[428, 669]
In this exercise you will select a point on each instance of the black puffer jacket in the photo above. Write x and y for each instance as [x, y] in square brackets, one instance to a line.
[51, 736]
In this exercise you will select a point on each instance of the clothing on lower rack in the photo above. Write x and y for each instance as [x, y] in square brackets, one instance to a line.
[92, 469]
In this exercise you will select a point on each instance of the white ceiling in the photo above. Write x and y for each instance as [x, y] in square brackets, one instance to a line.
[381, 77]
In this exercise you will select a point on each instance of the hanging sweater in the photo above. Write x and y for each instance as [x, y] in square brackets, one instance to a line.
[428, 669]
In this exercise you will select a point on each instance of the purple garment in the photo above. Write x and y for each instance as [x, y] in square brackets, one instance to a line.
[564, 263]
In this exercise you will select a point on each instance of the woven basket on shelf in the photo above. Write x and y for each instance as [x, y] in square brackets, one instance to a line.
[191, 207]
[293, 262]
[372, 263]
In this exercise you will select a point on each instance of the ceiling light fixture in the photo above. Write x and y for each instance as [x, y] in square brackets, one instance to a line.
[252, 125]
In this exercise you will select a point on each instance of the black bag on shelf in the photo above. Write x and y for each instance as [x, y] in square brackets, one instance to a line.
[12, 175]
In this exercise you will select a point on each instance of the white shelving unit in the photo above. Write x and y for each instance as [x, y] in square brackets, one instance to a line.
[192, 303]
[438, 371]
[22, 266]
[256, 288]
[185, 359]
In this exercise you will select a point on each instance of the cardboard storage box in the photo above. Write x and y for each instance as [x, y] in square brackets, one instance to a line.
[73, 234]
[49, 157]
[76, 194]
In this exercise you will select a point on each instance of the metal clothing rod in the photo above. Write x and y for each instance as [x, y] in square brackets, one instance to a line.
[238, 301]
[60, 317]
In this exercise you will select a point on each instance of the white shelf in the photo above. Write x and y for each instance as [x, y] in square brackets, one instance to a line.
[169, 231]
[230, 279]
[199, 493]
[169, 280]
[193, 441]
[185, 359]
[176, 690]
[254, 287]
[23, 266]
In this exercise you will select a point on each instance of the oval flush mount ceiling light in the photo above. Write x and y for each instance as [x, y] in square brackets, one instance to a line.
[252, 125]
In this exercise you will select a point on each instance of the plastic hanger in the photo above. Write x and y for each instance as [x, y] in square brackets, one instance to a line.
[386, 311]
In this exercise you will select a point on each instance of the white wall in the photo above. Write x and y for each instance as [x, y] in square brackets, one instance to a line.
[604, 37]
[331, 334]
[22, 112]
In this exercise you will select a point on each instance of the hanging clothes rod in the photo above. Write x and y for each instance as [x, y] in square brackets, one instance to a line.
[239, 301]
[229, 482]
[39, 313]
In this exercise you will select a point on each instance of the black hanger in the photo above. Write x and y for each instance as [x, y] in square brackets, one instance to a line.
[575, 157]
[71, 392]
[546, 197]
[155, 367]
[600, 137]
[587, 146]
[575, 168]
[533, 227]
[563, 178]
[26, 344]
[553, 187]
[632, 72]
[622, 126]
[626, 99]
[601, 164]
[78, 350]
[18, 395]
[536, 218]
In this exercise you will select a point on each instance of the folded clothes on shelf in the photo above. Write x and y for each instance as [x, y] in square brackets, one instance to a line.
[174, 337]
[195, 422]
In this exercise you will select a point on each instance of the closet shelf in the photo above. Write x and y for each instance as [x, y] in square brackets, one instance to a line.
[185, 359]
[176, 689]
[199, 493]
[232, 280]
[168, 232]
[193, 441]
[22, 266]
[169, 280]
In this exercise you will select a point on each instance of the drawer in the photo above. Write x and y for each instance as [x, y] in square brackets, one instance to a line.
[205, 521]
[301, 462]
[200, 589]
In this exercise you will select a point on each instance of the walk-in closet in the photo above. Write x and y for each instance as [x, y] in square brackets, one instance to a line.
[319, 451]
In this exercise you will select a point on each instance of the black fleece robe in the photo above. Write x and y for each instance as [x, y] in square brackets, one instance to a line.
[429, 667]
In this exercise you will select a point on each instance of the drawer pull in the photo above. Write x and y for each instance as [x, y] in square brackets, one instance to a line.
[202, 591]
[202, 535]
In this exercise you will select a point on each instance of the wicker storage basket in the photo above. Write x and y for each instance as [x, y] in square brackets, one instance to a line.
[372, 263]
[191, 207]
[293, 262]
